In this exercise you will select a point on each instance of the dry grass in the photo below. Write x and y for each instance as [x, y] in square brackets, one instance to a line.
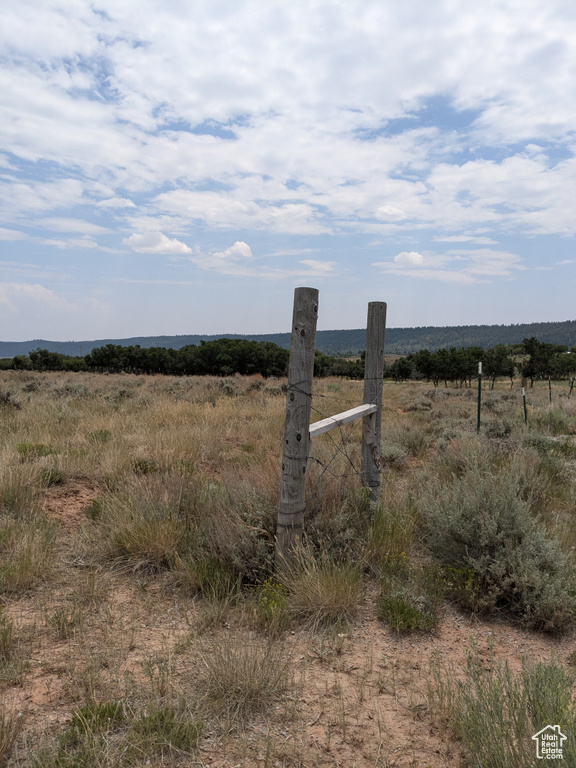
[10, 725]
[320, 591]
[243, 677]
[147, 624]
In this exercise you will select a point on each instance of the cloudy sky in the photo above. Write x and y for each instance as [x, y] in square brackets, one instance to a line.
[180, 166]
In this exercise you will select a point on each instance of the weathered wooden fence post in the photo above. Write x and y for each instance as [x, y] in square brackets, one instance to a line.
[373, 376]
[297, 425]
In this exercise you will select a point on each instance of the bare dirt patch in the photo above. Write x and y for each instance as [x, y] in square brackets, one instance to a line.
[357, 697]
[66, 502]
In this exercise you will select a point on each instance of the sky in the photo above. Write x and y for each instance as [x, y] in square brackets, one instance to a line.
[180, 166]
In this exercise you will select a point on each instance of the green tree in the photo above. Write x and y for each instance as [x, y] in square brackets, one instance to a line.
[497, 362]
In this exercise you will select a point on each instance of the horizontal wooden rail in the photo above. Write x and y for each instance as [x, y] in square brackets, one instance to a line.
[319, 427]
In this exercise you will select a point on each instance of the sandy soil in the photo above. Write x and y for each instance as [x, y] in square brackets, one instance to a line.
[357, 699]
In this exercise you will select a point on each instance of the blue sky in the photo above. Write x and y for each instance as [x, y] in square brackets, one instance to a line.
[180, 166]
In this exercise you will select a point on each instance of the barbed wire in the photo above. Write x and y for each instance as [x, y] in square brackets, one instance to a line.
[338, 446]
[339, 449]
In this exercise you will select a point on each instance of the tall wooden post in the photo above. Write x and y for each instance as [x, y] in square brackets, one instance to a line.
[297, 425]
[373, 376]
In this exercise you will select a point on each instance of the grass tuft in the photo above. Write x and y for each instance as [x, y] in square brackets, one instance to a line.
[26, 552]
[321, 591]
[243, 679]
[495, 713]
[10, 726]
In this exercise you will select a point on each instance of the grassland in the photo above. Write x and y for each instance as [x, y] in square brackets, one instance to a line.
[142, 623]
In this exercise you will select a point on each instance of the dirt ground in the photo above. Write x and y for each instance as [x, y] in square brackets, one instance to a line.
[357, 699]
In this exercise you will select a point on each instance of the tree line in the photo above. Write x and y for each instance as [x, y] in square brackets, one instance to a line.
[221, 357]
[533, 360]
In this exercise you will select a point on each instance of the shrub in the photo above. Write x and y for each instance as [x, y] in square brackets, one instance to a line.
[405, 610]
[272, 606]
[410, 594]
[20, 488]
[209, 576]
[411, 437]
[182, 523]
[145, 466]
[9, 402]
[556, 421]
[98, 716]
[392, 527]
[482, 523]
[99, 436]
[51, 476]
[147, 533]
[393, 456]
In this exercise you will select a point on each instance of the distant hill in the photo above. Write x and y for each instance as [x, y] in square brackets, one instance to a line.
[399, 341]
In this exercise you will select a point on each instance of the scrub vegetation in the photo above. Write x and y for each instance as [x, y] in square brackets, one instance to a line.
[142, 621]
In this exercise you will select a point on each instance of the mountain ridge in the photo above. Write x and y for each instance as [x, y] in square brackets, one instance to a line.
[399, 341]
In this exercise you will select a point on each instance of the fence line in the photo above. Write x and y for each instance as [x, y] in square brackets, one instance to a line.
[297, 430]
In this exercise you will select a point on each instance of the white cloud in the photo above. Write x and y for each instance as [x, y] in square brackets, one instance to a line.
[116, 202]
[460, 266]
[487, 262]
[308, 105]
[236, 252]
[17, 297]
[73, 243]
[235, 209]
[18, 198]
[12, 234]
[238, 260]
[390, 213]
[409, 257]
[231, 261]
[308, 123]
[319, 268]
[156, 242]
[72, 225]
[477, 240]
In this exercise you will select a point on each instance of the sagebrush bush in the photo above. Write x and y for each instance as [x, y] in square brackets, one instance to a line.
[413, 438]
[556, 421]
[482, 522]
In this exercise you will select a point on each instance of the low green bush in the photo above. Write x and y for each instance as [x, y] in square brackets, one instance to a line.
[482, 524]
[410, 594]
[272, 606]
